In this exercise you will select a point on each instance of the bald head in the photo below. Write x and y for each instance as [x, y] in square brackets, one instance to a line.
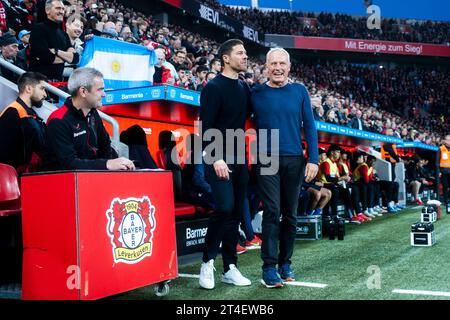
[446, 141]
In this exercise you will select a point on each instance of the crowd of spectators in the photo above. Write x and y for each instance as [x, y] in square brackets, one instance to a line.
[401, 98]
[336, 25]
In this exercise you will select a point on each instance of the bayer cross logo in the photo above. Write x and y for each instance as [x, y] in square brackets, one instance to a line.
[173, 93]
[131, 225]
[109, 98]
[132, 230]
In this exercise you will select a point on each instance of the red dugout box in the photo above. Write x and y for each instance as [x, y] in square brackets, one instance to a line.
[90, 234]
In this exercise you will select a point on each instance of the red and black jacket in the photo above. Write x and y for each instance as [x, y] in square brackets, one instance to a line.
[77, 141]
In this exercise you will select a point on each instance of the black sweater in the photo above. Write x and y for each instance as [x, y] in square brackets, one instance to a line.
[225, 104]
[45, 36]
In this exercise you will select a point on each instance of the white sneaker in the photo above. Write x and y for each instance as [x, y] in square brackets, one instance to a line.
[378, 209]
[367, 214]
[207, 275]
[233, 276]
[374, 212]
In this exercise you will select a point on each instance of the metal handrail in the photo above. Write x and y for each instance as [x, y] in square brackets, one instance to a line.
[115, 139]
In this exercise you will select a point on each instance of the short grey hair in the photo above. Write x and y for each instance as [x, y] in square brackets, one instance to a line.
[82, 77]
[272, 50]
[49, 3]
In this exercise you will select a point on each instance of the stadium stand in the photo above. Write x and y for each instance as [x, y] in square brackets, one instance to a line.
[337, 25]
[411, 98]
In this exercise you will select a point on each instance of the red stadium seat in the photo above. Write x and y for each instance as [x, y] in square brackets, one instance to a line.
[183, 209]
[9, 191]
[160, 159]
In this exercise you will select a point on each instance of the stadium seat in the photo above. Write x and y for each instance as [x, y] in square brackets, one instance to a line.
[164, 161]
[9, 191]
[10, 228]
[161, 159]
[184, 209]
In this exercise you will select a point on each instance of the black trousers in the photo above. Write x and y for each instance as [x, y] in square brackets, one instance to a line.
[356, 198]
[445, 178]
[373, 192]
[229, 196]
[340, 193]
[279, 193]
[369, 194]
[390, 189]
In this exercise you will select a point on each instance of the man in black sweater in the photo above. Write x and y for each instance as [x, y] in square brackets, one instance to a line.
[225, 104]
[50, 46]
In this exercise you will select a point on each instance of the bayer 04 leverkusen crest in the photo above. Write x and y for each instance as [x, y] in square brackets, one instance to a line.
[131, 224]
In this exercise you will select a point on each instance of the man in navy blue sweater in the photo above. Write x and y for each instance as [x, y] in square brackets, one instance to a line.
[286, 107]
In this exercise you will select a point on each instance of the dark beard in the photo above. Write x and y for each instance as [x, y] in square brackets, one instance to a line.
[37, 104]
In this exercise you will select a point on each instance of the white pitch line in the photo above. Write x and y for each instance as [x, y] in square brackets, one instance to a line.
[291, 283]
[305, 284]
[423, 292]
[187, 275]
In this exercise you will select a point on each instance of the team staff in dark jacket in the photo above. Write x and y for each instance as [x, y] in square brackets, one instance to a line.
[22, 131]
[76, 133]
[50, 46]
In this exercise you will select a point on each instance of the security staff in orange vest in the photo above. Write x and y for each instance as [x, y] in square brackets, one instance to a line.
[22, 131]
[389, 153]
[443, 159]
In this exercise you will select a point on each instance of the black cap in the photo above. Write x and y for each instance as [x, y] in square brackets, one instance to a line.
[7, 39]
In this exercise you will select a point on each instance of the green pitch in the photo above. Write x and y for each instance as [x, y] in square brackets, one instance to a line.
[348, 268]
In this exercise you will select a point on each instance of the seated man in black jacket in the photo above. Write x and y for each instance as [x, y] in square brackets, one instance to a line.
[76, 133]
[22, 131]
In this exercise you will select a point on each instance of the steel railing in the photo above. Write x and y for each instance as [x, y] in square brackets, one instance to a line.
[115, 139]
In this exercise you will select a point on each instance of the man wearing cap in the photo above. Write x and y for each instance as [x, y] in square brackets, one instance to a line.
[9, 47]
[24, 39]
[50, 45]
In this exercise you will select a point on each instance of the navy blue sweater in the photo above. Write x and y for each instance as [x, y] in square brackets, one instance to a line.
[288, 109]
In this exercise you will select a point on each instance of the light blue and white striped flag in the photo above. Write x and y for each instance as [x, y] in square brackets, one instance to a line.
[123, 64]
